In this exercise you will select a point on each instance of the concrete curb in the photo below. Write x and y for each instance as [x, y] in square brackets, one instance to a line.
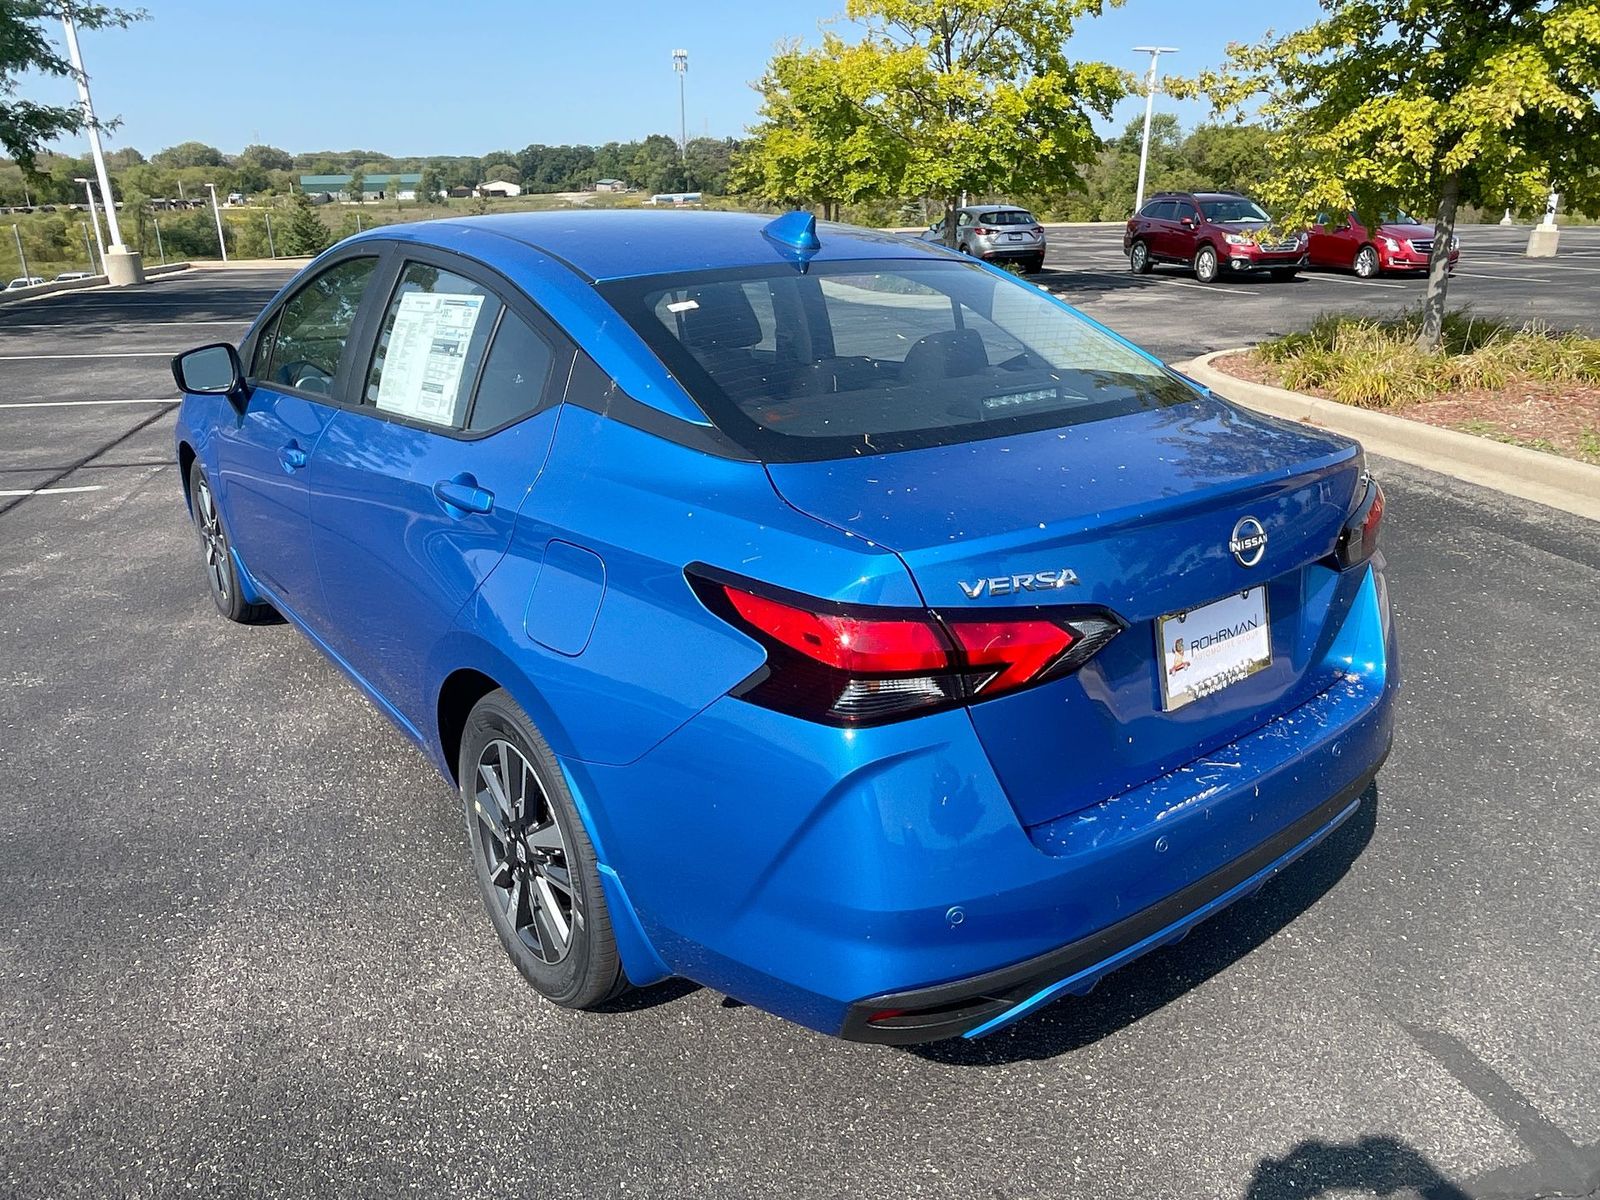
[1549, 479]
[78, 285]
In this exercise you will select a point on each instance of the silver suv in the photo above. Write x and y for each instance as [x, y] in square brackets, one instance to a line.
[996, 233]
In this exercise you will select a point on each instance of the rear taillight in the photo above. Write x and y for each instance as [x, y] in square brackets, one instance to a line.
[865, 664]
[1038, 231]
[1359, 537]
[982, 230]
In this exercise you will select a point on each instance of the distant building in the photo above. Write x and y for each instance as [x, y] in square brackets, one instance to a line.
[676, 199]
[499, 187]
[373, 187]
[610, 185]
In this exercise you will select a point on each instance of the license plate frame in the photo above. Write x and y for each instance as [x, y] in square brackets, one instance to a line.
[1235, 641]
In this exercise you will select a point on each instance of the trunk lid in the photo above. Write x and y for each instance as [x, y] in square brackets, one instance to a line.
[1141, 509]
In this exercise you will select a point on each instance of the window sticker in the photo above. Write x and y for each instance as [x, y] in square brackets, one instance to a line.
[427, 354]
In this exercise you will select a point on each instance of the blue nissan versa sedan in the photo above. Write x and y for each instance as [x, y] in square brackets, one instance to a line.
[814, 613]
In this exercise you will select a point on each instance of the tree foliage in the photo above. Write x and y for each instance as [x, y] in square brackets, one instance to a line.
[1387, 104]
[937, 97]
[27, 127]
[188, 154]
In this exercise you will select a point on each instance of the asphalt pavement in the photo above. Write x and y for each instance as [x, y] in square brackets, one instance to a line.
[1170, 312]
[241, 951]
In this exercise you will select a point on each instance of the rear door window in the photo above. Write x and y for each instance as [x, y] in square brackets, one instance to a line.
[431, 342]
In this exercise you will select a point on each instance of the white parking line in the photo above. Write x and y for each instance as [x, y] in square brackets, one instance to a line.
[5, 325]
[92, 487]
[1318, 278]
[83, 403]
[49, 357]
[1214, 289]
[1512, 278]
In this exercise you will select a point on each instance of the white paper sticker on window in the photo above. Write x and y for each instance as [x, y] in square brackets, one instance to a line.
[427, 354]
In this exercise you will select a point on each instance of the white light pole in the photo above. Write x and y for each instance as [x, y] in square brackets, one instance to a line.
[16, 232]
[1155, 53]
[124, 266]
[216, 212]
[94, 219]
[680, 64]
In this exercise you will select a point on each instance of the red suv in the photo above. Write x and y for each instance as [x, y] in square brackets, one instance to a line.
[1212, 233]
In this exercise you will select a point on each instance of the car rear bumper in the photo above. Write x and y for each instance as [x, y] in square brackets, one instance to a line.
[982, 1004]
[1011, 253]
[829, 875]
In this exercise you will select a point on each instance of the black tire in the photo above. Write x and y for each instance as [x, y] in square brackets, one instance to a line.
[1206, 265]
[964, 248]
[1366, 262]
[1034, 265]
[222, 578]
[522, 850]
[1285, 274]
[1139, 261]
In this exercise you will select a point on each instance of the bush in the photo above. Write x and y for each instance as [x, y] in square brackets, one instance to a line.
[1372, 363]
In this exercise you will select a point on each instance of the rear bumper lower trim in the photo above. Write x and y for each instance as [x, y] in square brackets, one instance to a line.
[981, 1003]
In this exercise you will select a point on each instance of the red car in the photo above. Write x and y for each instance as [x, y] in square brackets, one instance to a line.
[1401, 243]
[1214, 234]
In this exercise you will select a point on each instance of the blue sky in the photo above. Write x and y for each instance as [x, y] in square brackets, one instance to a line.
[418, 77]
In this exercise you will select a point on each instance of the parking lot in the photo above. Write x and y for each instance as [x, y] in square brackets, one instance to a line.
[1170, 312]
[240, 950]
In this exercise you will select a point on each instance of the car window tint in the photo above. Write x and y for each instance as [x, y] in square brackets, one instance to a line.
[515, 375]
[430, 344]
[874, 356]
[1008, 217]
[314, 326]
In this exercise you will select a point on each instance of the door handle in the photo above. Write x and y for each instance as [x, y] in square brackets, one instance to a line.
[292, 457]
[463, 495]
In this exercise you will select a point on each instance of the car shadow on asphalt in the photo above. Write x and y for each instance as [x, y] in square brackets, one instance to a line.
[1376, 1165]
[1160, 977]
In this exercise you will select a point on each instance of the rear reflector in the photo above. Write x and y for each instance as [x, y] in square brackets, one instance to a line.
[864, 664]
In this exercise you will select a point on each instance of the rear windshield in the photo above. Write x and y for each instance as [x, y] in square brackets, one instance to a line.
[876, 356]
[1007, 217]
[1224, 212]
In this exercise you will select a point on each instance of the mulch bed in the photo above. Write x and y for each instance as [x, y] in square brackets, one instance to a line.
[1562, 418]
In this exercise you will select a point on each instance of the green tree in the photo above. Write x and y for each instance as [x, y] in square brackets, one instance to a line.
[393, 188]
[502, 172]
[428, 186]
[962, 95]
[1387, 104]
[357, 187]
[189, 154]
[300, 230]
[25, 46]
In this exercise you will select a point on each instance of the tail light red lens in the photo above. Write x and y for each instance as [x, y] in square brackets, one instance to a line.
[865, 664]
[982, 230]
[1359, 537]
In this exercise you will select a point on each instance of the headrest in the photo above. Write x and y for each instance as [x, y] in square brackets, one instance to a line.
[722, 319]
[949, 354]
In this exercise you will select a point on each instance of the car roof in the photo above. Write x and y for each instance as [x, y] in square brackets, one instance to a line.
[625, 243]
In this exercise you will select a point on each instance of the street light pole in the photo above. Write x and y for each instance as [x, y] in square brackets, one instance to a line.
[94, 219]
[216, 212]
[1155, 53]
[680, 64]
[160, 249]
[16, 232]
[125, 267]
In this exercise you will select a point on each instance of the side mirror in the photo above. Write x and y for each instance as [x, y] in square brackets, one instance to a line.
[1187, 222]
[211, 371]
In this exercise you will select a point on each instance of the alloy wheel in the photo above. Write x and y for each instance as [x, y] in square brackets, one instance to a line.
[1366, 262]
[213, 541]
[525, 852]
[1140, 258]
[1205, 265]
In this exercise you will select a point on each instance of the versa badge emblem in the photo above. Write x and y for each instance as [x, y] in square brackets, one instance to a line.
[1249, 541]
[1004, 585]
